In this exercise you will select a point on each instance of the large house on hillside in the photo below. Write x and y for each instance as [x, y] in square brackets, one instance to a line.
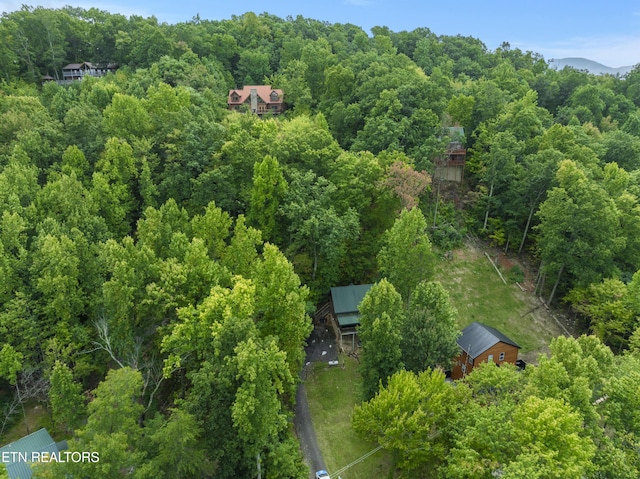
[77, 71]
[480, 343]
[258, 99]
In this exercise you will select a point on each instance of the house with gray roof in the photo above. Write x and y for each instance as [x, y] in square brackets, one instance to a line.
[480, 343]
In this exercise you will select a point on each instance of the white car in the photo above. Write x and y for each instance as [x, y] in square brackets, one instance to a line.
[322, 474]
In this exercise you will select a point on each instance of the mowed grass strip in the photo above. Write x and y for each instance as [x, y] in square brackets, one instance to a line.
[478, 293]
[333, 393]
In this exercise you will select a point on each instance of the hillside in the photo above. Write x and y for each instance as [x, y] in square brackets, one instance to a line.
[162, 247]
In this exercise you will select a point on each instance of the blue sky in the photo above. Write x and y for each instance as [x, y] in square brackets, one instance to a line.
[607, 32]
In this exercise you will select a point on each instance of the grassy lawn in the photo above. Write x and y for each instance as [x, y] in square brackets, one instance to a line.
[479, 294]
[332, 395]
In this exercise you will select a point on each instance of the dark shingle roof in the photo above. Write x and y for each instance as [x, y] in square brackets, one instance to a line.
[477, 338]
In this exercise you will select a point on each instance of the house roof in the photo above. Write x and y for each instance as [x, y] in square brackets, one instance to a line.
[77, 66]
[347, 298]
[263, 91]
[16, 452]
[477, 338]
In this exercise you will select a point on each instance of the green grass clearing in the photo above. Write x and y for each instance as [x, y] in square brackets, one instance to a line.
[479, 294]
[332, 394]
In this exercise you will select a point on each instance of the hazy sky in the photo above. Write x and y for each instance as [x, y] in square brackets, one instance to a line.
[604, 31]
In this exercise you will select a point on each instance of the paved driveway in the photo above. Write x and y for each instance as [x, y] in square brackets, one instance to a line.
[321, 346]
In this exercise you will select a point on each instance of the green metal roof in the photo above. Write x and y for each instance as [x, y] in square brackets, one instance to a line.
[346, 320]
[347, 298]
[13, 455]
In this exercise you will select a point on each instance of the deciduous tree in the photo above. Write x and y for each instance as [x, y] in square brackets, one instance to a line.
[429, 330]
[382, 313]
[406, 258]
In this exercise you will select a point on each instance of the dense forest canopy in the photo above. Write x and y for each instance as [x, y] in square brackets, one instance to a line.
[164, 254]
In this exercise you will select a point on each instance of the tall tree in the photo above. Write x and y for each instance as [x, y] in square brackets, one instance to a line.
[408, 417]
[579, 228]
[65, 395]
[429, 330]
[406, 257]
[548, 434]
[281, 305]
[382, 313]
[174, 448]
[269, 187]
[318, 234]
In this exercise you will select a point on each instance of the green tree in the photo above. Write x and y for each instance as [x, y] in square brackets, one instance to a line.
[429, 330]
[281, 305]
[65, 395]
[112, 428]
[318, 234]
[609, 310]
[56, 275]
[175, 448]
[126, 118]
[258, 412]
[406, 258]
[579, 228]
[548, 434]
[10, 363]
[408, 417]
[382, 314]
[269, 187]
[114, 187]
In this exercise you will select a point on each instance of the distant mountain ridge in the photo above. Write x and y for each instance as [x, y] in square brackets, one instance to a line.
[589, 65]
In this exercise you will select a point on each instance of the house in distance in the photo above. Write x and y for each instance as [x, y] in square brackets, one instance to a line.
[77, 71]
[258, 99]
[450, 166]
[480, 343]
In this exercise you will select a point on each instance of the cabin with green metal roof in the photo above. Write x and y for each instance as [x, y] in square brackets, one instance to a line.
[344, 308]
[18, 456]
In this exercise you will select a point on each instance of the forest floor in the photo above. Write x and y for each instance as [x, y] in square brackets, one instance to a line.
[479, 294]
[35, 417]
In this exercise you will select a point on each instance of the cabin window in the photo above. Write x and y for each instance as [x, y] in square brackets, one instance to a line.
[490, 358]
[501, 356]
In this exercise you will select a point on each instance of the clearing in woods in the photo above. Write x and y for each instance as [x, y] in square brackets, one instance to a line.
[479, 294]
